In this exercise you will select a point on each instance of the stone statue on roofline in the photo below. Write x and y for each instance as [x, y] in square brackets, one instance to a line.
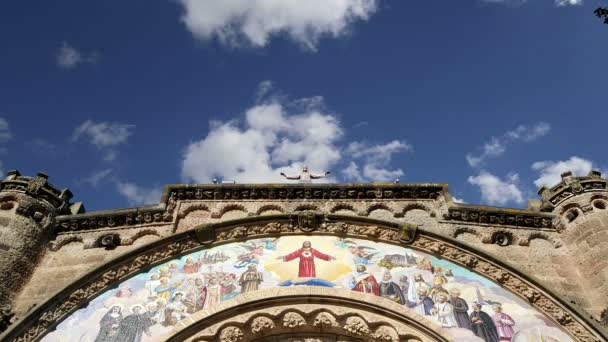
[305, 176]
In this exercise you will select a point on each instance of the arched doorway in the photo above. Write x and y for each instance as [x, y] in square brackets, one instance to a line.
[307, 314]
[83, 304]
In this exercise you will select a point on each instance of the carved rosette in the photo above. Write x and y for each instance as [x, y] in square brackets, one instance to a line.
[386, 333]
[61, 306]
[231, 334]
[261, 324]
[356, 326]
[293, 320]
[325, 320]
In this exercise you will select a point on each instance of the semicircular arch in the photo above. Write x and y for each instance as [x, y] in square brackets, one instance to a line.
[341, 228]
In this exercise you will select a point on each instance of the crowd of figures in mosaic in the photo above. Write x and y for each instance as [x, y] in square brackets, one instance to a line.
[467, 306]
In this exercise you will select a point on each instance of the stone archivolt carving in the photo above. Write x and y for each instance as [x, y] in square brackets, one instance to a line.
[59, 307]
[310, 320]
[262, 324]
[231, 334]
[356, 326]
[293, 320]
[325, 320]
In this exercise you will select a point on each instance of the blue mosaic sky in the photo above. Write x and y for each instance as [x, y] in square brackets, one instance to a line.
[114, 99]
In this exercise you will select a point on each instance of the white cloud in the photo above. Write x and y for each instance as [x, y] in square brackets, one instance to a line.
[68, 56]
[375, 159]
[254, 22]
[104, 135]
[278, 136]
[496, 191]
[498, 145]
[97, 177]
[137, 195]
[457, 200]
[550, 171]
[561, 3]
[5, 135]
[5, 132]
[514, 3]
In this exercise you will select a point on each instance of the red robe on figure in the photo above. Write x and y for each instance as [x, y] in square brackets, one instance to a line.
[307, 261]
[366, 283]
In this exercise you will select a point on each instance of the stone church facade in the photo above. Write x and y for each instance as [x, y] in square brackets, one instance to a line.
[304, 262]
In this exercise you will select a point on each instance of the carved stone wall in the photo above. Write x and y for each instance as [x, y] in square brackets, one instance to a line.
[27, 210]
[560, 245]
[42, 318]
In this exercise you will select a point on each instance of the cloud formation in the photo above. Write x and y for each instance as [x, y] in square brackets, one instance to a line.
[5, 136]
[276, 136]
[496, 191]
[68, 56]
[498, 145]
[253, 22]
[515, 3]
[375, 160]
[561, 3]
[106, 136]
[5, 132]
[137, 195]
[550, 171]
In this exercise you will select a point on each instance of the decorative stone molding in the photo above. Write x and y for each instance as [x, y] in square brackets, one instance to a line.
[262, 324]
[45, 317]
[304, 313]
[569, 187]
[231, 334]
[356, 326]
[304, 191]
[6, 316]
[325, 320]
[495, 216]
[293, 320]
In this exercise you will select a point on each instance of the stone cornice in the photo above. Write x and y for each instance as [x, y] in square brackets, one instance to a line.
[45, 317]
[499, 216]
[265, 192]
[164, 212]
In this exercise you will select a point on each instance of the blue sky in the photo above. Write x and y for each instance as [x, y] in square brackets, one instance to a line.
[115, 99]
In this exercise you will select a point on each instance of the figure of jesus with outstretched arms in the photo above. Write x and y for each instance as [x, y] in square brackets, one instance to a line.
[306, 176]
[307, 256]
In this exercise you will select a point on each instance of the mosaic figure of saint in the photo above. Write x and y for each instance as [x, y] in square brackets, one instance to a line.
[307, 256]
[152, 284]
[443, 312]
[190, 266]
[176, 310]
[214, 292]
[483, 325]
[461, 309]
[389, 289]
[504, 323]
[166, 290]
[418, 301]
[361, 281]
[109, 324]
[134, 326]
[437, 288]
[251, 279]
[200, 292]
